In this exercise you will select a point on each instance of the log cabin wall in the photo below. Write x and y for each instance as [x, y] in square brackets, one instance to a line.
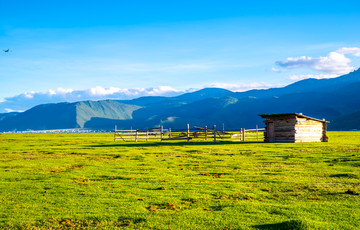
[284, 129]
[294, 128]
[308, 130]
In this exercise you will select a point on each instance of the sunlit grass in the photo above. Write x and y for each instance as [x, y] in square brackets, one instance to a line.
[66, 181]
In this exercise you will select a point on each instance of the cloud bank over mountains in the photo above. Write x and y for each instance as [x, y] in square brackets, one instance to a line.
[336, 63]
[241, 87]
[30, 99]
[27, 100]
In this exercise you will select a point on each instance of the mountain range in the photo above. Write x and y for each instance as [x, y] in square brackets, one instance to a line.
[336, 99]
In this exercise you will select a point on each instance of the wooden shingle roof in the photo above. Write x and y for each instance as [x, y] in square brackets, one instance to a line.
[291, 114]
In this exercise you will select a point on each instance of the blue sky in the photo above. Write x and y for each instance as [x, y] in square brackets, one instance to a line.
[78, 50]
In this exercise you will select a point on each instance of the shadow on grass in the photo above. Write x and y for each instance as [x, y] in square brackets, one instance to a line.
[219, 207]
[124, 219]
[152, 144]
[348, 175]
[287, 225]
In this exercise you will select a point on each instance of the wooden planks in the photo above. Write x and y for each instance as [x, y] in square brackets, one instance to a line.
[294, 128]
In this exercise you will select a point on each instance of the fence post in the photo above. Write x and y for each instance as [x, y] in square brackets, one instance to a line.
[206, 131]
[188, 132]
[243, 133]
[240, 134]
[214, 133]
[131, 131]
[161, 133]
[257, 133]
[115, 134]
[169, 132]
[147, 134]
[223, 130]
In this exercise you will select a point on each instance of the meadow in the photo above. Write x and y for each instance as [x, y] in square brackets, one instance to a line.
[88, 181]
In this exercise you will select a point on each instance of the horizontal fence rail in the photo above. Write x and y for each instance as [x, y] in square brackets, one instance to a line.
[196, 133]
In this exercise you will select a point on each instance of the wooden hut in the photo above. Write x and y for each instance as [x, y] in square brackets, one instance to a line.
[294, 127]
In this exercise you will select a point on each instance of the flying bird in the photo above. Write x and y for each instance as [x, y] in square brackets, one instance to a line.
[7, 51]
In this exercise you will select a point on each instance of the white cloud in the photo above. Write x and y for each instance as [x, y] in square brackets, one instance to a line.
[100, 91]
[241, 87]
[306, 76]
[51, 92]
[118, 92]
[64, 91]
[334, 63]
[277, 70]
[12, 110]
[161, 90]
[29, 94]
[355, 51]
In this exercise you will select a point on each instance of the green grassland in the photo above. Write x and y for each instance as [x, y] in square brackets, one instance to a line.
[86, 181]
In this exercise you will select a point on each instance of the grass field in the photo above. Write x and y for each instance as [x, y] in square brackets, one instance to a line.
[86, 181]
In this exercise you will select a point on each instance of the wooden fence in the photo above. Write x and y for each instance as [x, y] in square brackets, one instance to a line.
[201, 133]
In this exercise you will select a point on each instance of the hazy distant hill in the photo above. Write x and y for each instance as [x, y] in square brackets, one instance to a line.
[347, 122]
[204, 94]
[307, 85]
[7, 115]
[337, 100]
[66, 115]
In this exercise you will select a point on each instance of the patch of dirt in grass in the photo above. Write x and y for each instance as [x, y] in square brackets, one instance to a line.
[168, 206]
[67, 169]
[74, 167]
[102, 178]
[82, 181]
[152, 208]
[351, 150]
[231, 197]
[213, 175]
[190, 200]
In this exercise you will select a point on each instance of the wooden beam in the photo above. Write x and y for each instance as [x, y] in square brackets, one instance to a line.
[188, 132]
[206, 132]
[214, 133]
